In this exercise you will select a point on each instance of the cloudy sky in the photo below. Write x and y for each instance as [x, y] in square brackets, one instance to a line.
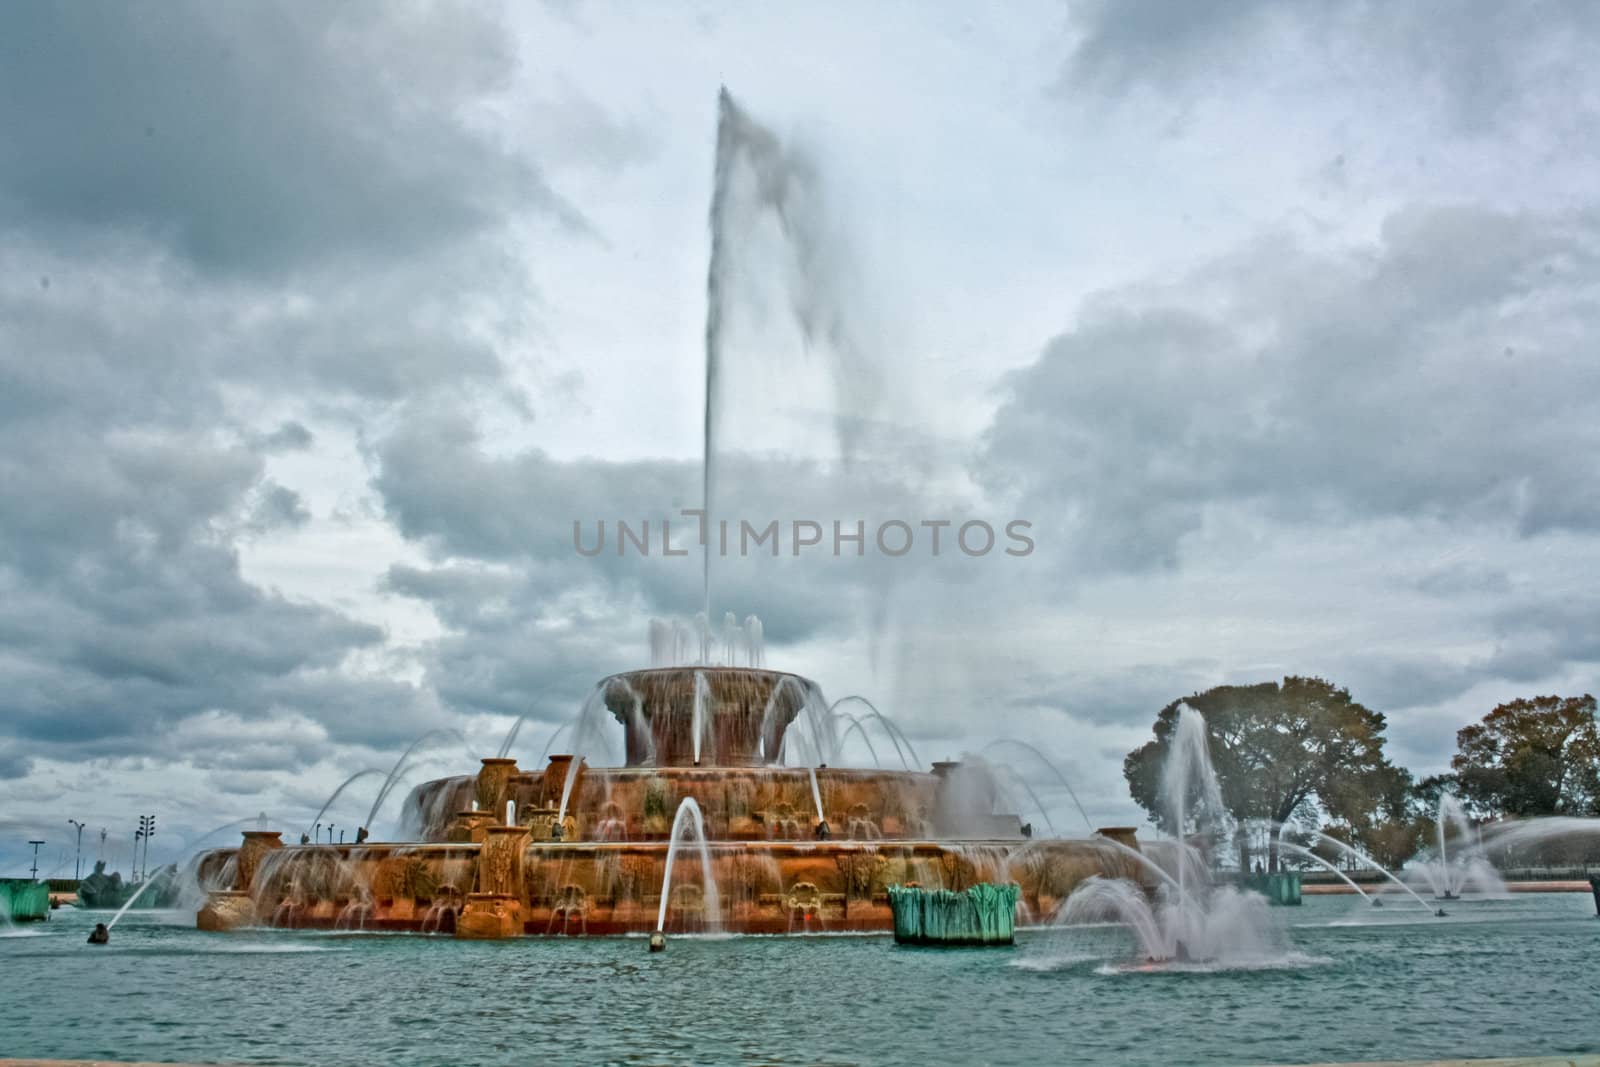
[320, 326]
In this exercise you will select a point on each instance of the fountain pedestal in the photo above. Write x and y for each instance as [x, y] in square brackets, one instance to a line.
[471, 826]
[495, 910]
[489, 916]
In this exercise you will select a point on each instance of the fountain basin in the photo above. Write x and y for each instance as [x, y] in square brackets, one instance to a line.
[607, 888]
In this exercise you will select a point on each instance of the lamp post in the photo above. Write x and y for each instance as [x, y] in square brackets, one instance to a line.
[77, 859]
[35, 845]
[147, 830]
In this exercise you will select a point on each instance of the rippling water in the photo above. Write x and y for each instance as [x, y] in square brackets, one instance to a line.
[1495, 978]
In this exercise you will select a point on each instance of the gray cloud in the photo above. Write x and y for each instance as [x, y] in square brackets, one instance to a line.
[1483, 66]
[1442, 374]
[211, 215]
[253, 140]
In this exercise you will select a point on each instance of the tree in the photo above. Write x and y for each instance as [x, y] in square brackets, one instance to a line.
[1279, 750]
[1538, 756]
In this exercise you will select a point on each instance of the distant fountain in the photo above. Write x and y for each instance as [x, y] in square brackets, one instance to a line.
[1504, 837]
[1468, 870]
[689, 823]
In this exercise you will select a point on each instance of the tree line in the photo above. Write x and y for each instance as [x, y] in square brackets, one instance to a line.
[1304, 751]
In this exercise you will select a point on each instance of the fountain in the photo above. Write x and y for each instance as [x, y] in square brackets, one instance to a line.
[1184, 919]
[580, 847]
[587, 837]
[1468, 870]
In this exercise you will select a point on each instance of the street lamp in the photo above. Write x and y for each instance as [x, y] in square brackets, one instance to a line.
[35, 845]
[147, 830]
[77, 859]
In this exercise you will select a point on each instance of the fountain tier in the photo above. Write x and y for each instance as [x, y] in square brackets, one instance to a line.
[739, 715]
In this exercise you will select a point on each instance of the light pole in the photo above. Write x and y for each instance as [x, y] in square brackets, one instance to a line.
[147, 830]
[35, 845]
[77, 859]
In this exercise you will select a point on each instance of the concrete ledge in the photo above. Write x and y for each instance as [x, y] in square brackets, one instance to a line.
[92, 1063]
[1319, 889]
[1516, 1061]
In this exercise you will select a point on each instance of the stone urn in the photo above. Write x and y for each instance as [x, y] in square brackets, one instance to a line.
[493, 778]
[257, 843]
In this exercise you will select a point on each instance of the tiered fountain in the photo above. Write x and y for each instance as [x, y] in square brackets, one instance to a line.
[573, 849]
[708, 750]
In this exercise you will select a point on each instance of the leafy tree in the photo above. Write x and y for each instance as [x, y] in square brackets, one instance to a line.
[1279, 750]
[1538, 756]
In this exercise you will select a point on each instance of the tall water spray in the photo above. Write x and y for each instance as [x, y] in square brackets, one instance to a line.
[1188, 764]
[688, 822]
[761, 184]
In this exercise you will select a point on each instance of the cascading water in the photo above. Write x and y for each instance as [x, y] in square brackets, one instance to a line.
[816, 794]
[689, 823]
[702, 701]
[680, 644]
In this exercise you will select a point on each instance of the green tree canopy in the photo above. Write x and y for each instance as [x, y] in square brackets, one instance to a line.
[1279, 749]
[1538, 756]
